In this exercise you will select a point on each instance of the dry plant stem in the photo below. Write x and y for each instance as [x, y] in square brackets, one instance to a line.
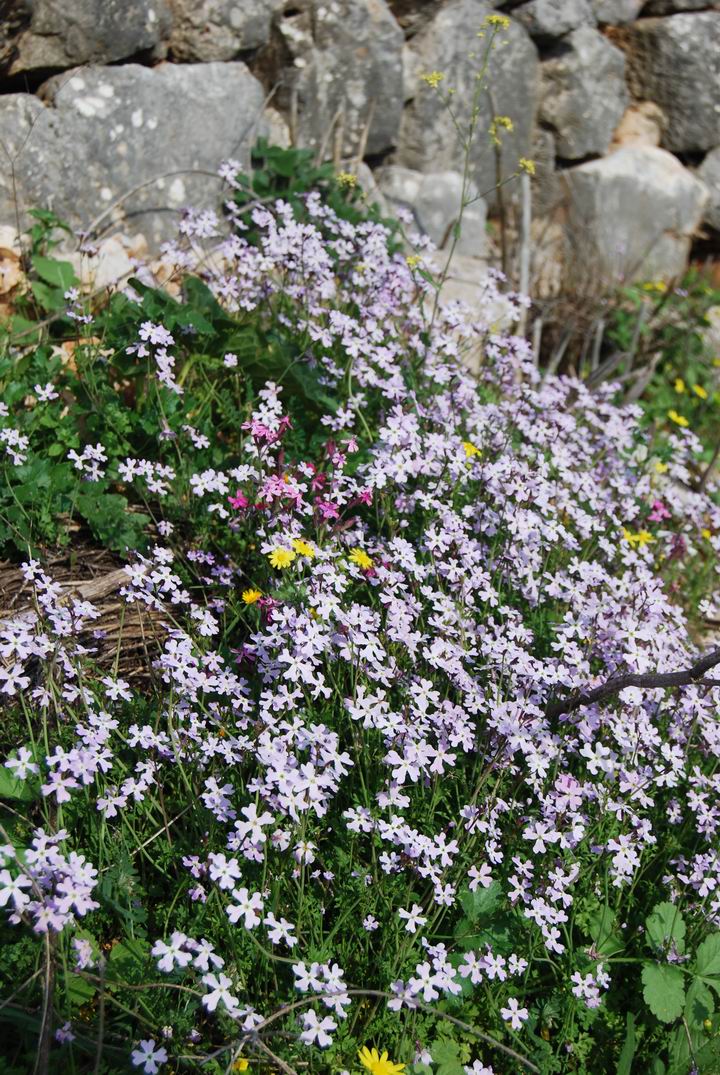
[649, 681]
[101, 1020]
[525, 225]
[42, 1060]
[708, 469]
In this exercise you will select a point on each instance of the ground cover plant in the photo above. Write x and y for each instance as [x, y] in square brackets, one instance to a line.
[418, 768]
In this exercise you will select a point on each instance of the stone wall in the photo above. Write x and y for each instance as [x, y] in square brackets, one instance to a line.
[117, 113]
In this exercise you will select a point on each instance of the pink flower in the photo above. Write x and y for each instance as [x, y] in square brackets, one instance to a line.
[239, 501]
[659, 512]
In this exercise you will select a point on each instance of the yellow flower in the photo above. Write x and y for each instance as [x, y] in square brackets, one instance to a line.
[707, 534]
[500, 123]
[661, 468]
[716, 362]
[303, 548]
[240, 1065]
[643, 537]
[433, 79]
[413, 260]
[281, 557]
[347, 179]
[700, 391]
[251, 596]
[470, 449]
[501, 21]
[361, 558]
[655, 285]
[526, 165]
[377, 1064]
[679, 384]
[678, 419]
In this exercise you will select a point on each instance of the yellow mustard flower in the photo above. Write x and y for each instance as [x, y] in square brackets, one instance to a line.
[679, 385]
[251, 596]
[281, 558]
[413, 260]
[643, 537]
[378, 1064]
[707, 534]
[433, 79]
[303, 548]
[470, 449]
[699, 391]
[361, 558]
[501, 21]
[526, 165]
[655, 285]
[678, 419]
[347, 179]
[661, 468]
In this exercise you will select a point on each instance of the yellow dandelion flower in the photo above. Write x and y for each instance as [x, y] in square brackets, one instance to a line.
[470, 449]
[526, 165]
[251, 596]
[303, 548]
[281, 558]
[699, 391]
[361, 558]
[707, 534]
[240, 1065]
[678, 419]
[679, 385]
[347, 179]
[433, 79]
[661, 468]
[378, 1064]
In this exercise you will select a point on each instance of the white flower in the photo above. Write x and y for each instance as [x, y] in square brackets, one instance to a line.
[316, 1030]
[150, 1057]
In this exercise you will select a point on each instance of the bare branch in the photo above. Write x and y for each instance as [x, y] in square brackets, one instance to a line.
[649, 680]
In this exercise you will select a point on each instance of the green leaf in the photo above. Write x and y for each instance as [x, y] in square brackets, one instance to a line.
[446, 1056]
[664, 991]
[78, 990]
[601, 926]
[707, 957]
[699, 1004]
[628, 1050]
[58, 273]
[22, 790]
[665, 926]
[483, 902]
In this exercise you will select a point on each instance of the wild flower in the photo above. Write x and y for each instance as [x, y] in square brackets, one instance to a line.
[378, 1063]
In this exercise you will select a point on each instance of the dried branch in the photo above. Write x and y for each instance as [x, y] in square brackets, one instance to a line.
[649, 680]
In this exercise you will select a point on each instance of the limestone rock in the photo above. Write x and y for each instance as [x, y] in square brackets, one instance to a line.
[709, 173]
[616, 12]
[553, 18]
[105, 132]
[434, 200]
[675, 61]
[347, 57]
[583, 93]
[66, 33]
[632, 214]
[428, 139]
[641, 125]
[207, 30]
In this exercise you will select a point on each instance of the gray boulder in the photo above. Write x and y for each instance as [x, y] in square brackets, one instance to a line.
[553, 18]
[207, 30]
[428, 139]
[583, 93]
[675, 62]
[616, 12]
[66, 33]
[709, 173]
[434, 200]
[632, 214]
[347, 73]
[105, 132]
